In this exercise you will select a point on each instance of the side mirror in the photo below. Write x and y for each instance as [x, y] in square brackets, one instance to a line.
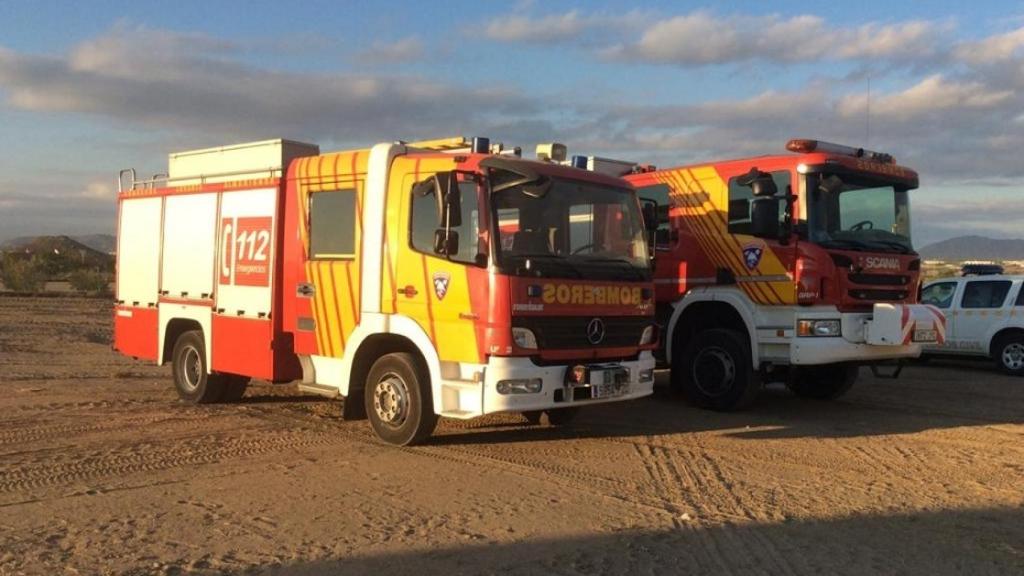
[446, 242]
[760, 183]
[453, 202]
[650, 213]
[764, 217]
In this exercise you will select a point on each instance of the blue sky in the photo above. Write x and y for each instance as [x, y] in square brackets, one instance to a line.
[88, 88]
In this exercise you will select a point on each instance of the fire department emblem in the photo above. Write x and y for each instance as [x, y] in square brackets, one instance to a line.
[752, 255]
[441, 284]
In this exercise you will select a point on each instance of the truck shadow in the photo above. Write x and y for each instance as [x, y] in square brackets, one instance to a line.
[924, 398]
[971, 541]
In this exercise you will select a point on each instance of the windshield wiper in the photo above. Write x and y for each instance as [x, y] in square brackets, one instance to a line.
[844, 242]
[629, 264]
[527, 258]
[899, 246]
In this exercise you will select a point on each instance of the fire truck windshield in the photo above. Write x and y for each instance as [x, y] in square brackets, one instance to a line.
[851, 213]
[573, 229]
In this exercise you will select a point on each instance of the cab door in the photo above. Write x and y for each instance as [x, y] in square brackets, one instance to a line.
[981, 304]
[445, 293]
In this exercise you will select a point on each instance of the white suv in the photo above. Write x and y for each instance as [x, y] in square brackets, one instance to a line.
[984, 317]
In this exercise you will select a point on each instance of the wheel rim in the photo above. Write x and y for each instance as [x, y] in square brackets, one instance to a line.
[1013, 356]
[191, 369]
[391, 400]
[714, 371]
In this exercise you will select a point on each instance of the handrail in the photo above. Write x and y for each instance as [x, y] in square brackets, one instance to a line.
[166, 179]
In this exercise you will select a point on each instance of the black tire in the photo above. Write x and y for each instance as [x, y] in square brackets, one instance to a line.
[562, 416]
[234, 388]
[398, 401]
[188, 367]
[533, 416]
[1008, 353]
[822, 382]
[714, 371]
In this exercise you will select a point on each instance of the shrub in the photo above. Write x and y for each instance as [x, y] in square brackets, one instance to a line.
[89, 281]
[22, 275]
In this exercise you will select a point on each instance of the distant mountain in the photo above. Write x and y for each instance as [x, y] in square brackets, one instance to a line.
[59, 255]
[974, 248]
[105, 243]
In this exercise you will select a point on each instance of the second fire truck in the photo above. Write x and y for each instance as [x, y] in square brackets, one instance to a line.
[795, 267]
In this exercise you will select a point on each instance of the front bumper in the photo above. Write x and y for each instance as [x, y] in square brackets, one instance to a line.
[553, 393]
[884, 334]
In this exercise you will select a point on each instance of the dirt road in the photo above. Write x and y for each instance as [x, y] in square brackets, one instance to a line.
[103, 471]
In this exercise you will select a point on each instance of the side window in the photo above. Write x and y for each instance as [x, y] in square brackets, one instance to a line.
[940, 295]
[985, 293]
[739, 202]
[332, 224]
[425, 220]
[1020, 296]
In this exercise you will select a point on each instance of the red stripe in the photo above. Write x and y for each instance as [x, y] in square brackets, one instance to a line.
[352, 294]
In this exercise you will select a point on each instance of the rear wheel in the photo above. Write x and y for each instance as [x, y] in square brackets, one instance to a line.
[714, 370]
[188, 367]
[562, 416]
[1009, 354]
[398, 401]
[822, 382]
[234, 388]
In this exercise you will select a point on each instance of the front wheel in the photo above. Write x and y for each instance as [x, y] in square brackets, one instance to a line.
[397, 399]
[1009, 354]
[822, 382]
[714, 370]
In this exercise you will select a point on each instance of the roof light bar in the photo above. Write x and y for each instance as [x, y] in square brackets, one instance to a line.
[804, 146]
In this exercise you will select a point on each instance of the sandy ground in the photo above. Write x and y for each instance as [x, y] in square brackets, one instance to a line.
[103, 471]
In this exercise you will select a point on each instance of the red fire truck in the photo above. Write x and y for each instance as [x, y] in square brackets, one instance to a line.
[417, 280]
[795, 267]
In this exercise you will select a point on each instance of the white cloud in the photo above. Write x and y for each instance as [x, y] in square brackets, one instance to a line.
[993, 49]
[930, 95]
[404, 50]
[98, 190]
[186, 82]
[570, 27]
[703, 38]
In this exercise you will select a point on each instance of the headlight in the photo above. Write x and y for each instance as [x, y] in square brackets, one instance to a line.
[524, 338]
[520, 386]
[648, 336]
[818, 328]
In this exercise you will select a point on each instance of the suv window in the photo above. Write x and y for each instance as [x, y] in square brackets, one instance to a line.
[940, 294]
[1020, 296]
[985, 293]
[739, 202]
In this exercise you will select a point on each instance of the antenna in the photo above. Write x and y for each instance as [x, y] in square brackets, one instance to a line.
[867, 120]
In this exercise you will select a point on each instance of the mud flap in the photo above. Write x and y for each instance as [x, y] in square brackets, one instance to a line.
[893, 372]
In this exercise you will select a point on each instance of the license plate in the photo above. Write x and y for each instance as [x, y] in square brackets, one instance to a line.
[609, 382]
[925, 336]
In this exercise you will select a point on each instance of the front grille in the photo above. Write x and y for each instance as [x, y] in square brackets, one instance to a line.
[879, 279]
[878, 294]
[570, 332]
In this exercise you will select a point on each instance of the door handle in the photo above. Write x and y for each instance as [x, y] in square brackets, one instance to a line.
[409, 291]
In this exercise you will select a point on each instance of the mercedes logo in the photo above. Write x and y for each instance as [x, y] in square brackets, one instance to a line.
[595, 331]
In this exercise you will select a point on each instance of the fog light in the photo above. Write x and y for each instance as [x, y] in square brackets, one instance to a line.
[647, 375]
[524, 338]
[814, 328]
[520, 386]
[648, 336]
